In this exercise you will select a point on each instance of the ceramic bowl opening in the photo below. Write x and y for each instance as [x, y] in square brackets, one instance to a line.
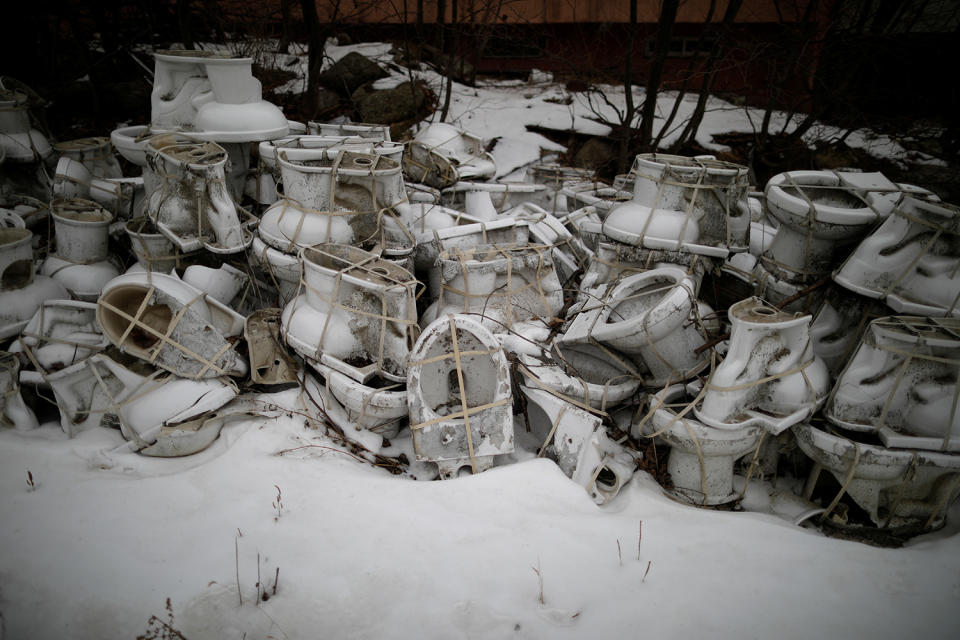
[19, 274]
[641, 300]
[129, 300]
[826, 196]
[363, 162]
[765, 311]
[606, 479]
[439, 381]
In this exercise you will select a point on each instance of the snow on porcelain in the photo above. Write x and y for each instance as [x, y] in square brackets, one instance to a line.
[701, 457]
[222, 284]
[896, 487]
[13, 410]
[582, 373]
[190, 203]
[770, 376]
[652, 315]
[163, 320]
[615, 260]
[356, 312]
[81, 261]
[579, 444]
[818, 215]
[345, 198]
[96, 154]
[212, 95]
[458, 378]
[911, 261]
[131, 143]
[903, 382]
[441, 155]
[694, 204]
[21, 292]
[505, 284]
[269, 361]
[376, 132]
[18, 139]
[61, 333]
[378, 406]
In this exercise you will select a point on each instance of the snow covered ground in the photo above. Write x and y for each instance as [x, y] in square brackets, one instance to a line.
[104, 537]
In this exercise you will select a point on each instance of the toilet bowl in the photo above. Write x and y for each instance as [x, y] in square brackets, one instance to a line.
[378, 406]
[14, 412]
[351, 198]
[696, 204]
[614, 260]
[569, 253]
[20, 142]
[652, 315]
[701, 457]
[465, 233]
[21, 292]
[817, 216]
[910, 261]
[770, 376]
[582, 373]
[441, 155]
[153, 250]
[188, 197]
[120, 196]
[838, 323]
[578, 442]
[487, 200]
[902, 383]
[81, 261]
[96, 154]
[459, 396]
[356, 313]
[212, 95]
[502, 284]
[60, 333]
[131, 143]
[280, 269]
[222, 284]
[896, 487]
[174, 326]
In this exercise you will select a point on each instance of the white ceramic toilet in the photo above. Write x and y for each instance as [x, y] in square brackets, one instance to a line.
[441, 155]
[81, 261]
[770, 376]
[652, 315]
[817, 215]
[459, 396]
[701, 457]
[21, 292]
[911, 261]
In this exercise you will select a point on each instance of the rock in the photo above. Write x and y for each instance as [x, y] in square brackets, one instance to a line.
[594, 154]
[390, 105]
[349, 73]
[327, 100]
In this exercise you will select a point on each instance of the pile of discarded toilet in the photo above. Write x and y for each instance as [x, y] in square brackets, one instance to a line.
[416, 297]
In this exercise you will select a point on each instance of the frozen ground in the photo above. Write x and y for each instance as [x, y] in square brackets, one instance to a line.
[105, 536]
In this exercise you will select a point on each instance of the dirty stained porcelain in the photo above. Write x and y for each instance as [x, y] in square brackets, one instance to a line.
[702, 458]
[350, 198]
[356, 313]
[652, 315]
[911, 261]
[770, 376]
[165, 321]
[61, 333]
[20, 141]
[902, 383]
[817, 216]
[459, 396]
[269, 361]
[81, 261]
[14, 412]
[577, 441]
[698, 205]
[441, 155]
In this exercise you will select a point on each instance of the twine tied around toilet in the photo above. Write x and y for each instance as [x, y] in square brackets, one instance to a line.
[628, 260]
[380, 211]
[510, 260]
[675, 175]
[435, 162]
[340, 298]
[465, 411]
